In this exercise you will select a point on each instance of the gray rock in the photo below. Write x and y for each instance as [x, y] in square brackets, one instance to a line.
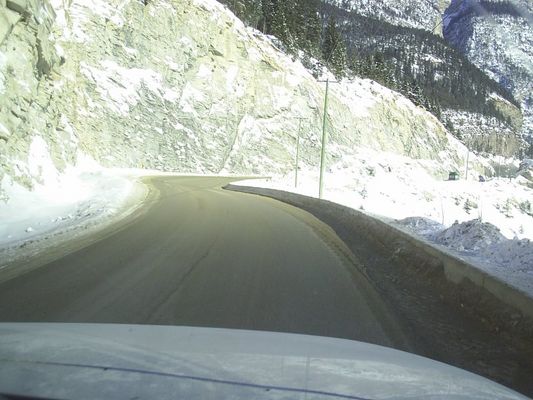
[8, 19]
[19, 6]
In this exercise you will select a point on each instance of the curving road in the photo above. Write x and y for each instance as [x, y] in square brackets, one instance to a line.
[202, 256]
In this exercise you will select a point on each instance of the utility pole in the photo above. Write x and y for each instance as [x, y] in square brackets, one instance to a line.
[324, 142]
[297, 152]
[467, 159]
[324, 132]
[501, 160]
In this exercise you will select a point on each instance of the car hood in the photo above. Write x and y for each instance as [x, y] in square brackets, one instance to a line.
[142, 361]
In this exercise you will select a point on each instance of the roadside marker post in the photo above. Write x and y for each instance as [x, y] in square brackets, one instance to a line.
[324, 142]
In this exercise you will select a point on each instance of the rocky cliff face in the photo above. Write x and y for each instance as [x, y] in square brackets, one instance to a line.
[181, 85]
[487, 135]
[27, 60]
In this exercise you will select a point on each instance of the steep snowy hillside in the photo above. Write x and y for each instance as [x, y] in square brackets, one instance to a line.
[418, 14]
[498, 38]
[184, 86]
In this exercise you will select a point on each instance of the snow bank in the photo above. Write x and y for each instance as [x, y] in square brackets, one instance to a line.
[421, 225]
[514, 254]
[480, 240]
[483, 245]
[70, 202]
[76, 197]
[469, 236]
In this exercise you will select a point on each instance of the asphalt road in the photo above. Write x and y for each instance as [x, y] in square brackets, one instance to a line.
[201, 256]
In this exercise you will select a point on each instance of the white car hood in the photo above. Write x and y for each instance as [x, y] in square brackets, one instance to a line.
[89, 361]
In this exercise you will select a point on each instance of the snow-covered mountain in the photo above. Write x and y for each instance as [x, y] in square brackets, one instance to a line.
[420, 14]
[497, 37]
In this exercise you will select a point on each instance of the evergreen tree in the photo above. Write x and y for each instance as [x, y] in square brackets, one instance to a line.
[268, 11]
[331, 39]
[252, 11]
[313, 28]
[334, 48]
[279, 25]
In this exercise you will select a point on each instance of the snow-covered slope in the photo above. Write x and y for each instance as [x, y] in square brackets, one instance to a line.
[498, 38]
[185, 86]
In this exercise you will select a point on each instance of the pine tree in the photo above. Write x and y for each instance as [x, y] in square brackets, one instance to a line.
[331, 38]
[334, 48]
[280, 25]
[253, 12]
[268, 11]
[313, 28]
[338, 61]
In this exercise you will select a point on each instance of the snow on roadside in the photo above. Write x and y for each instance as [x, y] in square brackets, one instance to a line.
[489, 223]
[422, 226]
[397, 187]
[77, 199]
[469, 236]
[31, 213]
[483, 245]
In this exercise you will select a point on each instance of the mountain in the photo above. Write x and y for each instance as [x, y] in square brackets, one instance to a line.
[419, 14]
[184, 86]
[497, 36]
[424, 67]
